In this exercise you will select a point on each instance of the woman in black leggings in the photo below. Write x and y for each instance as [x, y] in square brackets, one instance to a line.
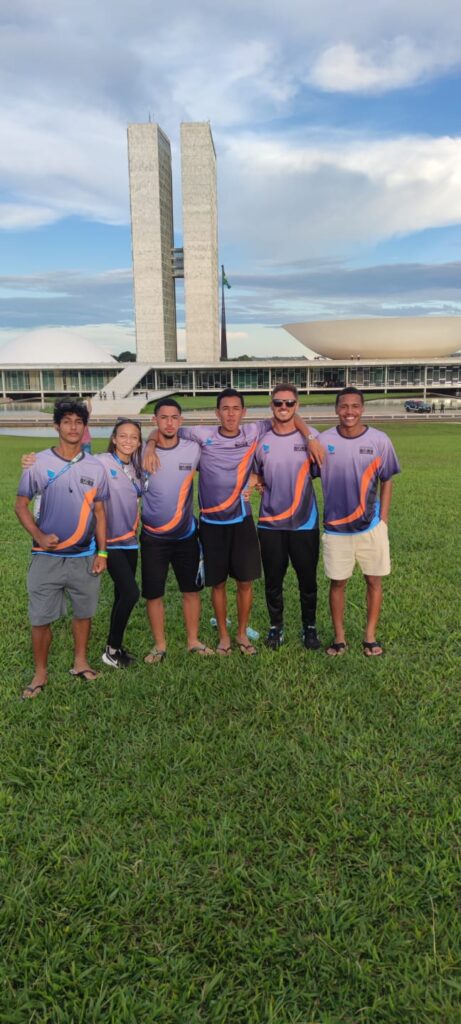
[122, 463]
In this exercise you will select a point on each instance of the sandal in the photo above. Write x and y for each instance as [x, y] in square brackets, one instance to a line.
[34, 689]
[223, 650]
[155, 656]
[248, 650]
[372, 649]
[201, 649]
[336, 649]
[88, 674]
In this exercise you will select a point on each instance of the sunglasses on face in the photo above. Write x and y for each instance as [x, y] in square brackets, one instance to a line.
[289, 402]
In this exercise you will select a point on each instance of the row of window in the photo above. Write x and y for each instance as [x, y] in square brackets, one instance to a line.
[56, 380]
[244, 378]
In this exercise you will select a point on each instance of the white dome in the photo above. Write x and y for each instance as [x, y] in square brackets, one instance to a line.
[48, 346]
[394, 337]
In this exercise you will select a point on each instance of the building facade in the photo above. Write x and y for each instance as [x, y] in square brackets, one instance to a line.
[442, 376]
[151, 201]
[156, 263]
[200, 241]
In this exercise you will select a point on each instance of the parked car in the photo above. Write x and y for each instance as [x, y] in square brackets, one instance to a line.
[416, 405]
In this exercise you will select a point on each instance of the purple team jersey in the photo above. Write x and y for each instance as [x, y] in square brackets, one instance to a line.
[68, 491]
[167, 500]
[288, 501]
[225, 467]
[350, 474]
[122, 515]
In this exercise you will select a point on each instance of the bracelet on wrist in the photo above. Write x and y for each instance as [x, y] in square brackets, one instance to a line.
[102, 554]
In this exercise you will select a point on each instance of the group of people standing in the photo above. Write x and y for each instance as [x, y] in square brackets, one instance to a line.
[87, 509]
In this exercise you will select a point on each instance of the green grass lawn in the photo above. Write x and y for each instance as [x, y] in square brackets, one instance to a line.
[254, 401]
[264, 841]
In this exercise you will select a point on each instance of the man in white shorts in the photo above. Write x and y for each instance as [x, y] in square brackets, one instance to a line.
[357, 459]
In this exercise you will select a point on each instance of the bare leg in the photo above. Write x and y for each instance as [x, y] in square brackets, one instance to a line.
[244, 603]
[219, 599]
[156, 616]
[337, 606]
[41, 641]
[374, 603]
[81, 634]
[191, 612]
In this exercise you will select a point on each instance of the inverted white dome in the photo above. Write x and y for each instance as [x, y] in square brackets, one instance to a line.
[47, 346]
[397, 337]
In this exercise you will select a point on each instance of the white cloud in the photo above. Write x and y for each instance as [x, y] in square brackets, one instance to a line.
[16, 216]
[72, 76]
[312, 197]
[396, 65]
[61, 163]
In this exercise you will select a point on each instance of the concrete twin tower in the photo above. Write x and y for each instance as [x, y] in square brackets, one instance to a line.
[156, 262]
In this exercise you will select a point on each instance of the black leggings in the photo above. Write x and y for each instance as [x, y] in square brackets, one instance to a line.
[301, 547]
[121, 566]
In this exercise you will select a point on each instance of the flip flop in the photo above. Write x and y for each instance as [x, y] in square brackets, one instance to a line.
[155, 656]
[202, 650]
[336, 649]
[372, 649]
[248, 650]
[88, 674]
[33, 689]
[223, 651]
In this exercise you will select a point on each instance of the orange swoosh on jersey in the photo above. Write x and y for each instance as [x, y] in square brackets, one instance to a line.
[242, 468]
[359, 511]
[125, 536]
[82, 524]
[182, 498]
[299, 486]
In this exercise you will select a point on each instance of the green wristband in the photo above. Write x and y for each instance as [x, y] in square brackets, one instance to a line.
[102, 554]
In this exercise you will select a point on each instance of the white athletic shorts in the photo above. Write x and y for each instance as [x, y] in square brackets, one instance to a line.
[369, 549]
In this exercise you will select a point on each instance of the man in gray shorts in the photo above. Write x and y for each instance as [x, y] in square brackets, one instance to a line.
[68, 488]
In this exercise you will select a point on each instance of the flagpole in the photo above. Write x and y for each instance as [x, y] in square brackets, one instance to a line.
[223, 318]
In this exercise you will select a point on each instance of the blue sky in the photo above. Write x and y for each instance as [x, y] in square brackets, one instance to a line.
[339, 157]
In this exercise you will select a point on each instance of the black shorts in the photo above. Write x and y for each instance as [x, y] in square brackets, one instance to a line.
[158, 553]
[231, 550]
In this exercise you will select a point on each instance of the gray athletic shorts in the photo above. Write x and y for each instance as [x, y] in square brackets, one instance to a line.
[51, 577]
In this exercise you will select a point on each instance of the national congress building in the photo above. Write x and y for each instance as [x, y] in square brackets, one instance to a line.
[379, 354]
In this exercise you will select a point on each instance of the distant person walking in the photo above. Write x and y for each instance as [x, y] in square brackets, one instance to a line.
[86, 440]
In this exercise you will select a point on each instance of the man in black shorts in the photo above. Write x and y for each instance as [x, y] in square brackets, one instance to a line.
[169, 531]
